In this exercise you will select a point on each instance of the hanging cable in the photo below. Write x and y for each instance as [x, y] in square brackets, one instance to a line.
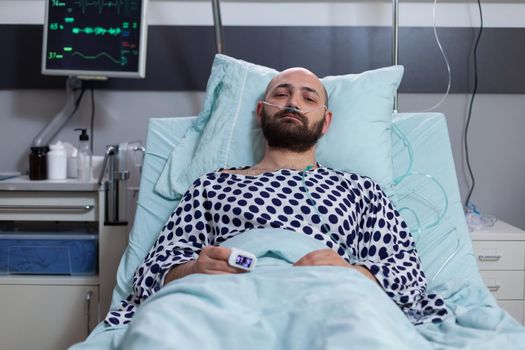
[79, 98]
[467, 157]
[77, 102]
[92, 123]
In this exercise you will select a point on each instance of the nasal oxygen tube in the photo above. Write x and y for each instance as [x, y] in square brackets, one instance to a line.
[293, 109]
[246, 261]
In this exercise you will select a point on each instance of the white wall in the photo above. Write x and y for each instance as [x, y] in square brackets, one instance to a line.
[451, 13]
[119, 116]
[498, 120]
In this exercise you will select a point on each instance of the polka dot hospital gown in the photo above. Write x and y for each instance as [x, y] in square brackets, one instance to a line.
[347, 212]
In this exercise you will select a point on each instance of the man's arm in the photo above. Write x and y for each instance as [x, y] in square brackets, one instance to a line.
[390, 253]
[179, 271]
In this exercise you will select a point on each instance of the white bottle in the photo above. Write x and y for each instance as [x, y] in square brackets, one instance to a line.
[57, 162]
[84, 158]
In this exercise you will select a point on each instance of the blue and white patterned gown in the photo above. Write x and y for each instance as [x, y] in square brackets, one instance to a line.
[347, 212]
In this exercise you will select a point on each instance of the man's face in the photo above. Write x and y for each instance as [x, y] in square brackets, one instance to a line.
[290, 130]
[296, 130]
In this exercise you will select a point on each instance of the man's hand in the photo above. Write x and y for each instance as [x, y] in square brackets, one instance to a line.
[212, 260]
[328, 257]
[322, 257]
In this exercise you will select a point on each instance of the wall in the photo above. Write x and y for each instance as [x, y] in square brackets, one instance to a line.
[498, 121]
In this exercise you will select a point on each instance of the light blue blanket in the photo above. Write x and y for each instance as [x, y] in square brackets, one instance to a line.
[278, 306]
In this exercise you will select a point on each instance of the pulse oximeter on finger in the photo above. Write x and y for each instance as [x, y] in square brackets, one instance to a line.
[242, 260]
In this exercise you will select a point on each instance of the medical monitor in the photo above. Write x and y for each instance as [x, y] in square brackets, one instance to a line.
[95, 38]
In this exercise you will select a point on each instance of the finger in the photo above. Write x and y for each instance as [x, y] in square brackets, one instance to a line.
[301, 262]
[310, 255]
[321, 252]
[221, 267]
[326, 252]
[217, 253]
[304, 261]
[308, 259]
[312, 261]
[313, 256]
[322, 260]
[228, 270]
[214, 272]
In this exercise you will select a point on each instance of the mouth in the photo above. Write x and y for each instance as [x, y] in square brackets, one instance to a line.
[291, 116]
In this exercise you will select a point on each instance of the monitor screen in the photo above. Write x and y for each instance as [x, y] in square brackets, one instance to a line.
[95, 38]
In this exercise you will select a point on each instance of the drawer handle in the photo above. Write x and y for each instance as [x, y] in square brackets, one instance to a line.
[83, 208]
[89, 296]
[489, 257]
[494, 288]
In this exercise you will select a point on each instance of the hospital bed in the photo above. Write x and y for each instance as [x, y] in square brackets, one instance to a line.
[427, 195]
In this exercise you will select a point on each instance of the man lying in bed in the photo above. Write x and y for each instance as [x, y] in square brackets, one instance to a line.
[288, 189]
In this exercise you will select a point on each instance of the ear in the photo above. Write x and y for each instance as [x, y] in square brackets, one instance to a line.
[327, 121]
[258, 111]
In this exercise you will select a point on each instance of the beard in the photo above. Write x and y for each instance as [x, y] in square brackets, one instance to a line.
[293, 135]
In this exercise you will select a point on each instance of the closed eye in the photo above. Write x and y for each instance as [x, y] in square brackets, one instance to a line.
[310, 99]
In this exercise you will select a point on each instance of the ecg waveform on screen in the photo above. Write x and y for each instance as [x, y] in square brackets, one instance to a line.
[100, 4]
[97, 31]
[94, 57]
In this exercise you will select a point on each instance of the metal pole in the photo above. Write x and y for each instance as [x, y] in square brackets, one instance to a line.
[217, 23]
[395, 41]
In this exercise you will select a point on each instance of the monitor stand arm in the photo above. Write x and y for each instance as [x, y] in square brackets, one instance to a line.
[73, 86]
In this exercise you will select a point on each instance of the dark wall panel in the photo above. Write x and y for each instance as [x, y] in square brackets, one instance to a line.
[179, 57]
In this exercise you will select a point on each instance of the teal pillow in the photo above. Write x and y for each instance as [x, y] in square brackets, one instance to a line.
[226, 133]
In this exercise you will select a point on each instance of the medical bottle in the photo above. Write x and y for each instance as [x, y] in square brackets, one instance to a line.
[38, 163]
[57, 162]
[85, 159]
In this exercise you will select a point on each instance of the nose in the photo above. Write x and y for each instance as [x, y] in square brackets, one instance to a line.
[292, 107]
[293, 101]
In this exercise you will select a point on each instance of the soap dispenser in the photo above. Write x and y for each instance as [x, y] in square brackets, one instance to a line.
[85, 159]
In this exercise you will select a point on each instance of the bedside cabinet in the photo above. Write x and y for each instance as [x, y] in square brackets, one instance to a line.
[500, 254]
[54, 310]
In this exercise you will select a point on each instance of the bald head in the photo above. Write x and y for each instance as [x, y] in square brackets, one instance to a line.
[294, 113]
[301, 77]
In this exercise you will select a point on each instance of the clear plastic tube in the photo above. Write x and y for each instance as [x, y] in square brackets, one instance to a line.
[293, 109]
[424, 233]
[434, 25]
[409, 172]
[312, 204]
[449, 74]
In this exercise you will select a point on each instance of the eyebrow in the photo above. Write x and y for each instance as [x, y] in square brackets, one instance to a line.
[291, 87]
